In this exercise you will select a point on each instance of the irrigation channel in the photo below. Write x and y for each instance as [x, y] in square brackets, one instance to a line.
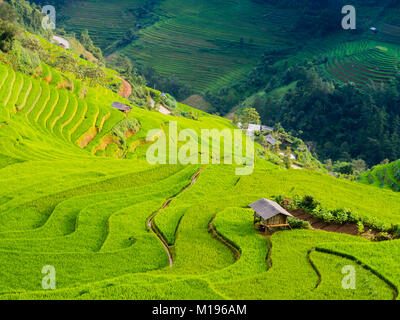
[153, 228]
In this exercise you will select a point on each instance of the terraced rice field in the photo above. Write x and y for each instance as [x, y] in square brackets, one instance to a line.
[389, 33]
[209, 55]
[183, 43]
[115, 19]
[384, 176]
[370, 65]
[88, 215]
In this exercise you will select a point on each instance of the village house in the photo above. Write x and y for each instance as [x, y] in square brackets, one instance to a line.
[271, 140]
[252, 127]
[121, 107]
[269, 214]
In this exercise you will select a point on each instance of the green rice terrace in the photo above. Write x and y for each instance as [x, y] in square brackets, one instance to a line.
[196, 43]
[384, 176]
[365, 62]
[78, 194]
[192, 41]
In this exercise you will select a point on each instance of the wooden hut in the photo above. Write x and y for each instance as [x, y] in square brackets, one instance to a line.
[268, 214]
[121, 107]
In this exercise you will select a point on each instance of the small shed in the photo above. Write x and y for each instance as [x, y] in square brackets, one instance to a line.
[271, 140]
[121, 107]
[269, 214]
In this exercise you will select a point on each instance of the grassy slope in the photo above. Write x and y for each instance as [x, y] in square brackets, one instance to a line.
[383, 176]
[86, 215]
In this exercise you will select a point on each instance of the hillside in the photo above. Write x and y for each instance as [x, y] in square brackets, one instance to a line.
[219, 55]
[383, 176]
[86, 211]
[81, 194]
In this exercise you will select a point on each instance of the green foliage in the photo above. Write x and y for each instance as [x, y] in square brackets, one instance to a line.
[383, 176]
[8, 33]
[298, 224]
[309, 203]
[360, 227]
[27, 61]
[249, 115]
[29, 16]
[32, 43]
[123, 127]
[7, 12]
[87, 42]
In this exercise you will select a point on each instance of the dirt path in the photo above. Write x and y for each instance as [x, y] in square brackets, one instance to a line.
[154, 229]
[126, 89]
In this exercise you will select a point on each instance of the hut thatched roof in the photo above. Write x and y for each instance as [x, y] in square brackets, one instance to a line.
[267, 209]
[121, 106]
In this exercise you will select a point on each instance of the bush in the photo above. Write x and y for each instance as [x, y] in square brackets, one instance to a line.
[122, 127]
[279, 199]
[340, 216]
[360, 227]
[382, 236]
[8, 33]
[26, 61]
[309, 203]
[396, 231]
[32, 43]
[323, 214]
[298, 224]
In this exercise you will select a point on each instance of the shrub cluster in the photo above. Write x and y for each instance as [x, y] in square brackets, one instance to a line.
[122, 127]
[298, 223]
[338, 216]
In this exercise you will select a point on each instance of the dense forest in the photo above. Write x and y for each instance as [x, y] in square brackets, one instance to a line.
[342, 121]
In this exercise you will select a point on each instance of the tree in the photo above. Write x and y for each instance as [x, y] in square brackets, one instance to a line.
[7, 12]
[344, 167]
[8, 33]
[359, 166]
[235, 120]
[250, 115]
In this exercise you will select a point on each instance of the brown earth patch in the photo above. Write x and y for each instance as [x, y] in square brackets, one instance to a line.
[347, 228]
[87, 137]
[126, 88]
[105, 141]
